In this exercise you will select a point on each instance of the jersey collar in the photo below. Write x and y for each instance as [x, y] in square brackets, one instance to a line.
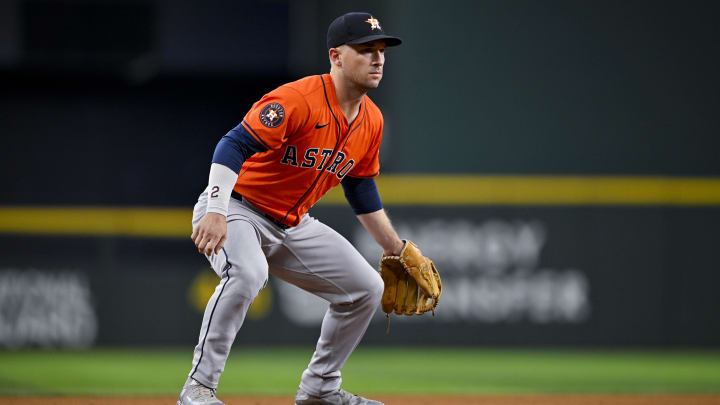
[335, 104]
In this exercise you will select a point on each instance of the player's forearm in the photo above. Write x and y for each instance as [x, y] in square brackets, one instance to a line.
[378, 225]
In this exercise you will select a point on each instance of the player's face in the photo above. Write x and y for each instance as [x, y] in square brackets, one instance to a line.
[363, 63]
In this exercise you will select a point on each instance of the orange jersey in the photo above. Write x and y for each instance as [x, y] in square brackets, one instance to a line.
[310, 147]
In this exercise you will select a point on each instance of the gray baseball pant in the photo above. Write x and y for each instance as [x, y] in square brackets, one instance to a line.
[311, 256]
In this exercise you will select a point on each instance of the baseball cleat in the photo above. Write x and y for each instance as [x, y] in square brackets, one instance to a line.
[339, 397]
[194, 393]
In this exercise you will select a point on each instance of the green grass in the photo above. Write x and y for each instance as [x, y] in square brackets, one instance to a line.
[272, 370]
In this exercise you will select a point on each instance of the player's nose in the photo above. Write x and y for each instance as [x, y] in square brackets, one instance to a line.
[378, 58]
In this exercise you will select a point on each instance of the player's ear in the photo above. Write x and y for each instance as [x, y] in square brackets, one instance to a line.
[334, 55]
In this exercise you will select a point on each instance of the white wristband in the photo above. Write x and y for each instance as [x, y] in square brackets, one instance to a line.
[220, 185]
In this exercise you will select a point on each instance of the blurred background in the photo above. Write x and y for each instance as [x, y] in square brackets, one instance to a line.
[558, 160]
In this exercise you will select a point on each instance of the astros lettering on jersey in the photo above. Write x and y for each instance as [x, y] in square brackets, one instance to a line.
[310, 146]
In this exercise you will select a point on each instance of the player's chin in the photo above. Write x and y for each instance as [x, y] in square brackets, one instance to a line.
[373, 81]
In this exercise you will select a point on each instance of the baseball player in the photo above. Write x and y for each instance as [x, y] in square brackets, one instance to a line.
[296, 143]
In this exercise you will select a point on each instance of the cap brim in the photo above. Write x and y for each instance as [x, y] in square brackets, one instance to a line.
[389, 40]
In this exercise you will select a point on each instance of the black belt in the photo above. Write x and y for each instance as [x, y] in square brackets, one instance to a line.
[277, 223]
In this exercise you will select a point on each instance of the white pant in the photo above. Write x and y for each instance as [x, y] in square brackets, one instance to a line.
[311, 256]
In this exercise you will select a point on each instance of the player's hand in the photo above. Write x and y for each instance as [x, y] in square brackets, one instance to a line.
[210, 233]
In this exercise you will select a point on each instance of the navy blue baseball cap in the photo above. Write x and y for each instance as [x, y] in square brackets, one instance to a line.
[357, 28]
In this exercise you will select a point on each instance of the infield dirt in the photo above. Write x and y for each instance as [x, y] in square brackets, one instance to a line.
[396, 400]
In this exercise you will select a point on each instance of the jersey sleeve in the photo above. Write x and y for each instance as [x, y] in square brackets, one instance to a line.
[276, 116]
[369, 165]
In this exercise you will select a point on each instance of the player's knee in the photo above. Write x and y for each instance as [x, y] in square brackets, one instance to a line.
[251, 282]
[376, 287]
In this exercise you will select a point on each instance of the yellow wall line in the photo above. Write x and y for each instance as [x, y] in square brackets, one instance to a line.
[150, 222]
[545, 190]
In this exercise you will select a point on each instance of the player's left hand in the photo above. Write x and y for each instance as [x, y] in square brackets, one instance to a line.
[412, 282]
[210, 233]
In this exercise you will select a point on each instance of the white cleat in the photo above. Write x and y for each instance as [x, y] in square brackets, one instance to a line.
[339, 397]
[194, 393]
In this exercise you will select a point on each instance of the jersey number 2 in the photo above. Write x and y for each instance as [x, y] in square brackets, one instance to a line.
[214, 192]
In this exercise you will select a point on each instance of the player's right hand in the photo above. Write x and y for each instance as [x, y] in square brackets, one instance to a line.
[210, 233]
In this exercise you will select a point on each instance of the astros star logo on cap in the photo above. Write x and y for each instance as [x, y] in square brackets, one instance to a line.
[374, 23]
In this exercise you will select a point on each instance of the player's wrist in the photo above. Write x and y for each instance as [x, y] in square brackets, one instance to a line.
[216, 210]
[220, 185]
[395, 249]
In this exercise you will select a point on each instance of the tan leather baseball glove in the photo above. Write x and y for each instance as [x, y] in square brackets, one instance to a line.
[412, 282]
